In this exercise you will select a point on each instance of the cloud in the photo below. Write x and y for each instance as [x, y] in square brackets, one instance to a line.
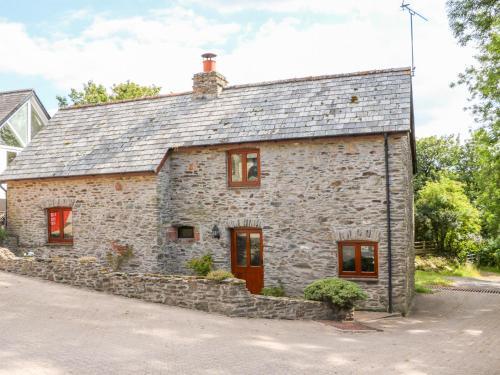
[163, 46]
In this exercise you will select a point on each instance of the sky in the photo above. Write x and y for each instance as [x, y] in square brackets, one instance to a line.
[55, 45]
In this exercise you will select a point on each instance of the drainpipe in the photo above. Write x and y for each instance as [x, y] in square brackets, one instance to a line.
[389, 232]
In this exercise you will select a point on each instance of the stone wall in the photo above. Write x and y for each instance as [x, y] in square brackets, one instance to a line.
[311, 191]
[229, 297]
[117, 209]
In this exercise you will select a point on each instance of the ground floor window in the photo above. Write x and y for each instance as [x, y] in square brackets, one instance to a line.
[358, 259]
[60, 224]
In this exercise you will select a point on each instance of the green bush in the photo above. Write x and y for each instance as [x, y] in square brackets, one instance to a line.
[273, 291]
[340, 293]
[219, 275]
[489, 253]
[201, 265]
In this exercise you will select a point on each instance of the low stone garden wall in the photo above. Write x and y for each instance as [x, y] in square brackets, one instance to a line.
[229, 297]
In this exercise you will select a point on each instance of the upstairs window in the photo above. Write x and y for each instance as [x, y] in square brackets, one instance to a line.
[358, 259]
[244, 168]
[60, 225]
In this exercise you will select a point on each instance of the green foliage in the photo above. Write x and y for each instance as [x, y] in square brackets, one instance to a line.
[273, 291]
[436, 156]
[340, 293]
[477, 23]
[93, 93]
[445, 215]
[3, 233]
[119, 255]
[201, 266]
[489, 254]
[219, 275]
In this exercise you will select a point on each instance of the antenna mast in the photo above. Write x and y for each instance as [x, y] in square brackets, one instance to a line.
[412, 13]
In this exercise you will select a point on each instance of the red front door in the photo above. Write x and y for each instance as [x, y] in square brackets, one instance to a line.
[247, 258]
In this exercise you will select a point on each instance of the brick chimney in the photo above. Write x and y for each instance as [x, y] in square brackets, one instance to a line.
[210, 83]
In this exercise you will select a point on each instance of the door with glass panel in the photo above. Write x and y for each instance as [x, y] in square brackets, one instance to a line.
[247, 261]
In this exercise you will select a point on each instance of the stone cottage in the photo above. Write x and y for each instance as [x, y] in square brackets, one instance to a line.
[284, 182]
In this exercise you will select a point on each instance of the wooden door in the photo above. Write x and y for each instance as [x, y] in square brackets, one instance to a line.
[247, 258]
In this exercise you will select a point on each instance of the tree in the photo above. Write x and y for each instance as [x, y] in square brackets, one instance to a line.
[436, 156]
[477, 23]
[93, 93]
[445, 215]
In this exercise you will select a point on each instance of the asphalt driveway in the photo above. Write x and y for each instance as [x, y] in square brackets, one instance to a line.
[48, 328]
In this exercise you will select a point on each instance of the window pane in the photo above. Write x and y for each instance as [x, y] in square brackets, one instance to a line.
[36, 122]
[19, 123]
[241, 249]
[185, 232]
[8, 137]
[11, 155]
[348, 258]
[367, 258]
[68, 224]
[54, 224]
[255, 249]
[252, 167]
[236, 168]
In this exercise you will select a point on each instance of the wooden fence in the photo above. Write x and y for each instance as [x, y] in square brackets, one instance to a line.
[425, 247]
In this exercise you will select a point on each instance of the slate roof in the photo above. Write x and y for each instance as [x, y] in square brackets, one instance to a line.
[134, 135]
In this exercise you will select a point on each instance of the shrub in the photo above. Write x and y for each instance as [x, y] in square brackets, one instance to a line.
[434, 263]
[273, 291]
[489, 253]
[219, 275]
[118, 255]
[201, 265]
[340, 293]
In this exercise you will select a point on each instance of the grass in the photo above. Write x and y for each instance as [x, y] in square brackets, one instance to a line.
[489, 269]
[463, 270]
[424, 280]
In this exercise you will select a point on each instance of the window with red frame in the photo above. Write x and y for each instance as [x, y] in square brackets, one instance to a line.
[358, 259]
[60, 224]
[244, 168]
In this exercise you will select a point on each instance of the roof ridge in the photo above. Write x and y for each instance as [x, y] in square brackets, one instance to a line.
[264, 83]
[14, 91]
[320, 77]
[78, 106]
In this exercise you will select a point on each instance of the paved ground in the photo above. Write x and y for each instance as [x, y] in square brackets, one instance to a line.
[491, 282]
[47, 328]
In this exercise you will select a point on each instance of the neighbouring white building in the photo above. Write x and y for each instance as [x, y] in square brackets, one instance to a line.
[22, 116]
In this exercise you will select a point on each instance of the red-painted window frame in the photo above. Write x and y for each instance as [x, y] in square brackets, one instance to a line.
[244, 182]
[60, 211]
[357, 246]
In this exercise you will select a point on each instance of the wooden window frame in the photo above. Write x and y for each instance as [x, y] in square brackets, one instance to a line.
[247, 231]
[357, 258]
[244, 181]
[60, 210]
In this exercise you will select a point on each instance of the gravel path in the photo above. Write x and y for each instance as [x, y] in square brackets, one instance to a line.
[47, 328]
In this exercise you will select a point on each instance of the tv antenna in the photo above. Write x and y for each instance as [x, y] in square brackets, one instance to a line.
[412, 13]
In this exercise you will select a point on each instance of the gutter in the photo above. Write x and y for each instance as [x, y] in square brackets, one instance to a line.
[389, 231]
[5, 190]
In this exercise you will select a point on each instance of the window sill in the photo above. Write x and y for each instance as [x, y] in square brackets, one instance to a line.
[354, 278]
[243, 187]
[55, 244]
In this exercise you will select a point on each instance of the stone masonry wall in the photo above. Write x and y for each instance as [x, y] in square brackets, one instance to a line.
[312, 194]
[229, 297]
[105, 209]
